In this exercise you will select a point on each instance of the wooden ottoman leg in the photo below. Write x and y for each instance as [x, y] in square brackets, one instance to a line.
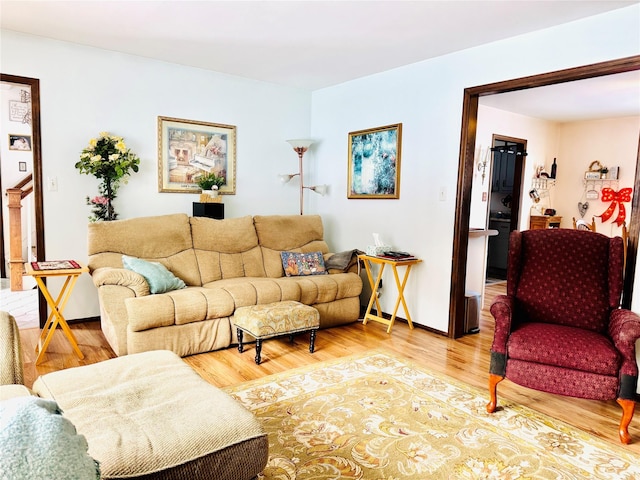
[240, 347]
[258, 350]
[312, 342]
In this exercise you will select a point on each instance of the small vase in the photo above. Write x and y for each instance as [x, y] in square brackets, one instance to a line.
[211, 193]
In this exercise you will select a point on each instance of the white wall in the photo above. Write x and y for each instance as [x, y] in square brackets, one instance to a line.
[85, 91]
[427, 98]
[542, 145]
[612, 141]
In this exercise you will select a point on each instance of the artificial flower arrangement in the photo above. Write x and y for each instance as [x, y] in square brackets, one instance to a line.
[210, 181]
[108, 159]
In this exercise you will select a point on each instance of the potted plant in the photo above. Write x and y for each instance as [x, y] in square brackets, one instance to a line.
[109, 160]
[210, 183]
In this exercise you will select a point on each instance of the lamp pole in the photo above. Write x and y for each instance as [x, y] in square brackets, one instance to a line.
[300, 147]
[300, 151]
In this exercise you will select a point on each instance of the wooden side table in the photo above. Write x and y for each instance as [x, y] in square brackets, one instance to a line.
[537, 222]
[66, 268]
[368, 260]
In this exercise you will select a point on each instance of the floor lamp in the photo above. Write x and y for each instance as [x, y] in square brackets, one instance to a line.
[300, 147]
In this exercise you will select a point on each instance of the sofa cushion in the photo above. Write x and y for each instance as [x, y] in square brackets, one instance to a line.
[192, 304]
[165, 239]
[160, 279]
[309, 290]
[302, 264]
[296, 233]
[150, 415]
[226, 248]
[540, 343]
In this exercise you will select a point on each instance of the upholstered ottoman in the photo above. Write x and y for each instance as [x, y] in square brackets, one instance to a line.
[275, 320]
[149, 415]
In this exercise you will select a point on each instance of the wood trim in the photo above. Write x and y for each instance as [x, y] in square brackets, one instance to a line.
[634, 234]
[463, 210]
[465, 171]
[36, 150]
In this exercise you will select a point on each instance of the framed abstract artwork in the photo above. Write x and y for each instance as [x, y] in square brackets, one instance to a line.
[374, 162]
[188, 149]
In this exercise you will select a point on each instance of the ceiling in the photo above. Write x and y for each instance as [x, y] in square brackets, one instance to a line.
[601, 97]
[303, 44]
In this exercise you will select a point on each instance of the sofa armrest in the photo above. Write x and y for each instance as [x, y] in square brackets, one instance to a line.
[13, 391]
[624, 330]
[121, 277]
[502, 311]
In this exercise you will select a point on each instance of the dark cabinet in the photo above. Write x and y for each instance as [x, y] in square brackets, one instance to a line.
[504, 167]
[210, 210]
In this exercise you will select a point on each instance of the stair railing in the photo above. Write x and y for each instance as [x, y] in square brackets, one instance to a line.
[15, 195]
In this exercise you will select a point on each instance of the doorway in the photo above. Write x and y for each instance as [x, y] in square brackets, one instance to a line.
[465, 177]
[25, 113]
[508, 155]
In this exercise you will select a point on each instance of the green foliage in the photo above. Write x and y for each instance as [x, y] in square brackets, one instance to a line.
[108, 158]
[209, 180]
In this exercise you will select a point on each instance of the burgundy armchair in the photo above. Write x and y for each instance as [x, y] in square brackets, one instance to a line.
[560, 328]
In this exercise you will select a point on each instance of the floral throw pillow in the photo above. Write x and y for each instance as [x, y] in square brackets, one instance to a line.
[299, 264]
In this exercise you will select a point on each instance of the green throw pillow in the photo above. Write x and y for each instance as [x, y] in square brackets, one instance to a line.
[160, 279]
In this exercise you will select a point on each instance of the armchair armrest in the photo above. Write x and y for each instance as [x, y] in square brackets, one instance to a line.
[121, 277]
[624, 330]
[502, 310]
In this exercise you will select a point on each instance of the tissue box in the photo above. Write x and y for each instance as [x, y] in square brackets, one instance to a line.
[374, 250]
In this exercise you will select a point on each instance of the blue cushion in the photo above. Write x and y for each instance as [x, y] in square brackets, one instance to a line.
[160, 279]
[300, 264]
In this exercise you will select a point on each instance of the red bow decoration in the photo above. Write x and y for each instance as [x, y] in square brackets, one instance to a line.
[616, 198]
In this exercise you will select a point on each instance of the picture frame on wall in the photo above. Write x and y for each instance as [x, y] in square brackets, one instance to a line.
[20, 142]
[374, 163]
[188, 149]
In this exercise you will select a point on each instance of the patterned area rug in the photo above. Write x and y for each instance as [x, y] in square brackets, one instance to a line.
[379, 417]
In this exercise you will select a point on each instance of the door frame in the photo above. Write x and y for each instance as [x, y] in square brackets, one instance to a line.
[465, 176]
[38, 203]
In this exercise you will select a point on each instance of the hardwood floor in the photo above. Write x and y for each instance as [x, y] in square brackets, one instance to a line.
[466, 359]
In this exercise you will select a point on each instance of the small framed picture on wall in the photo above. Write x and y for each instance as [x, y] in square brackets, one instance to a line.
[20, 142]
[22, 166]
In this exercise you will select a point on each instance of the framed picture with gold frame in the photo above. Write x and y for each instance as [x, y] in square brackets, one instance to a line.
[374, 162]
[188, 149]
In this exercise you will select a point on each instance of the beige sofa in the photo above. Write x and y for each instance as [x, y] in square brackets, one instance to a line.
[225, 264]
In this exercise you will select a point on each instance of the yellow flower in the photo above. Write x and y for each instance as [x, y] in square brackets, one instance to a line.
[121, 146]
[104, 134]
[93, 142]
[96, 158]
[114, 156]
